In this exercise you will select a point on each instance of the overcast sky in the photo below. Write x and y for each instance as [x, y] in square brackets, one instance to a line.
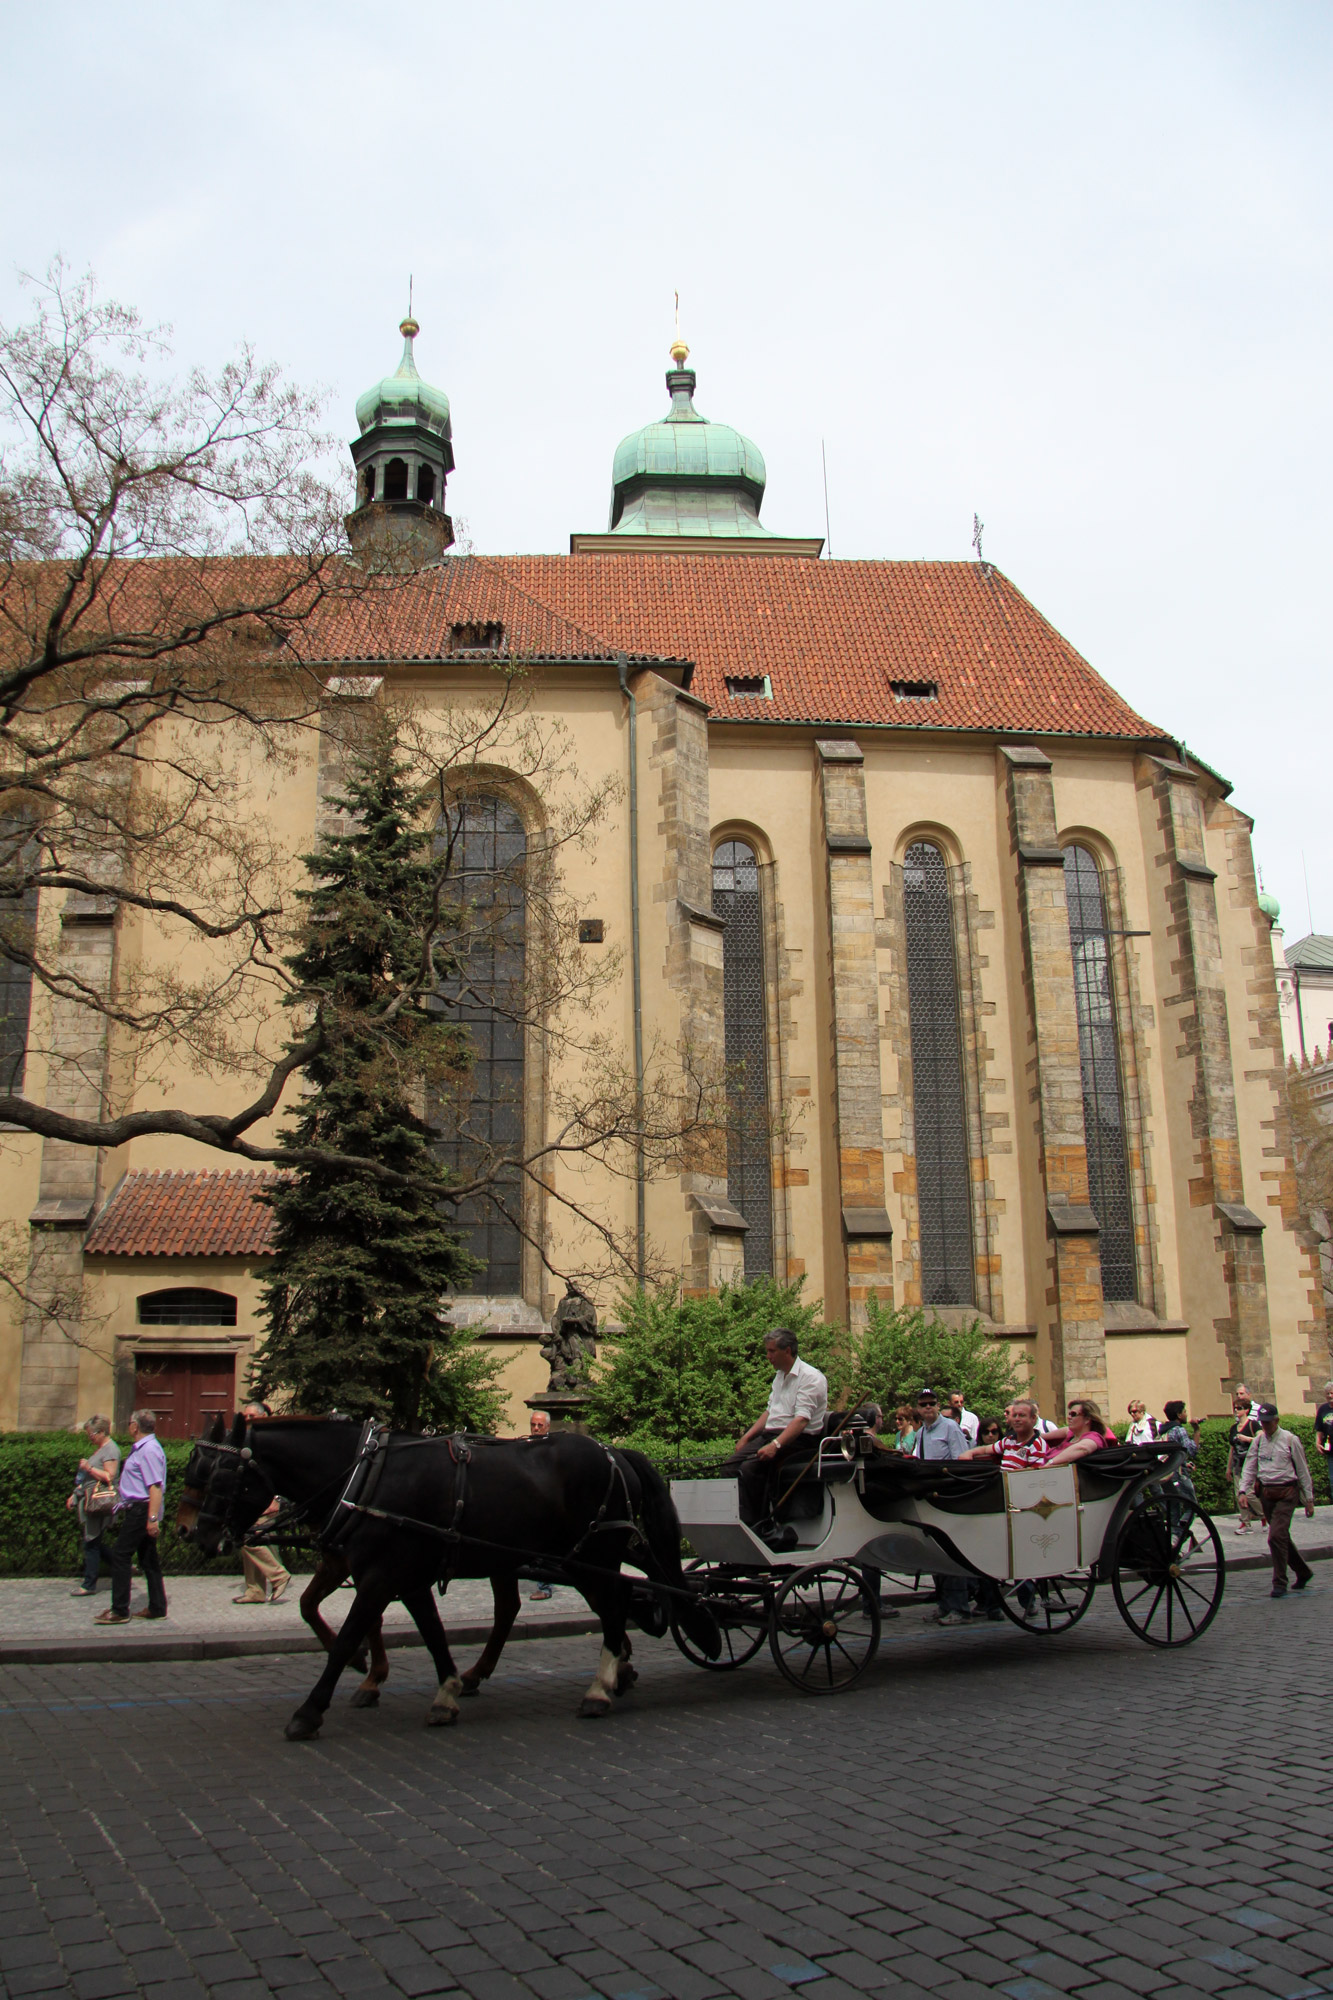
[1064, 265]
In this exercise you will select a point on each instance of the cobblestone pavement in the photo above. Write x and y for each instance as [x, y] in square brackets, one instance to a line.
[987, 1813]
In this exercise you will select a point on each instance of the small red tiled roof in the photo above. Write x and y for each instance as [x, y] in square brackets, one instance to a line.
[184, 1215]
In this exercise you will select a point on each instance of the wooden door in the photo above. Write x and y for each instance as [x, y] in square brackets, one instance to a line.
[185, 1391]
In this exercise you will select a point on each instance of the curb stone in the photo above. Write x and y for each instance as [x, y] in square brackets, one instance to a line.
[76, 1652]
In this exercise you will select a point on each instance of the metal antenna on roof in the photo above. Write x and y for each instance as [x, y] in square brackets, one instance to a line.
[978, 529]
[1309, 911]
[828, 532]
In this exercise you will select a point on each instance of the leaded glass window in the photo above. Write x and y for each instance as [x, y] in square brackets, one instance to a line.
[943, 1179]
[1099, 1059]
[737, 897]
[18, 921]
[483, 1124]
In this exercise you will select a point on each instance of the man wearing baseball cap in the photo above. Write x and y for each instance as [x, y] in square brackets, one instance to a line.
[937, 1437]
[1275, 1465]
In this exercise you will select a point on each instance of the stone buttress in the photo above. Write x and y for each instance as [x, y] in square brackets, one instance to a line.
[1074, 1296]
[858, 1086]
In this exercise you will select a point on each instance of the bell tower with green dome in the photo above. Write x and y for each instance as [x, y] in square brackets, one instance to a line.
[686, 485]
[403, 457]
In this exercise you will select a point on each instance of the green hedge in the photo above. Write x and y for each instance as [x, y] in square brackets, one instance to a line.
[1209, 1471]
[38, 1537]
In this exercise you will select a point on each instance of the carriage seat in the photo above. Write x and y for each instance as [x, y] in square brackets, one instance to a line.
[954, 1487]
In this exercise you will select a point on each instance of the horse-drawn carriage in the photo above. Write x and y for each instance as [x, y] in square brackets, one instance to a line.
[406, 1514]
[1044, 1539]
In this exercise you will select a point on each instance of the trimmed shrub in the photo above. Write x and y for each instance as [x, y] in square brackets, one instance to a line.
[38, 1537]
[899, 1353]
[1209, 1470]
[694, 1369]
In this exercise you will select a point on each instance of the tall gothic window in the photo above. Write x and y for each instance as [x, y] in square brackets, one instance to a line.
[18, 921]
[484, 1123]
[943, 1183]
[1099, 1059]
[749, 1158]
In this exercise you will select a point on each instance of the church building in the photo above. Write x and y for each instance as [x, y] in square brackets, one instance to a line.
[979, 951]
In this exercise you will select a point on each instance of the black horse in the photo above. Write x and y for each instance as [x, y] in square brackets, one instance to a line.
[332, 1569]
[428, 1509]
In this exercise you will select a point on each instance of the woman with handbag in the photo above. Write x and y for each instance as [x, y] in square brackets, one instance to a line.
[94, 1497]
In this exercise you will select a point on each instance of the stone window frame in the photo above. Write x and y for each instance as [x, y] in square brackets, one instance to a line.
[1132, 1061]
[976, 1055]
[496, 781]
[778, 1025]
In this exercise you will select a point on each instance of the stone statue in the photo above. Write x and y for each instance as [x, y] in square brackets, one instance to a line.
[571, 1344]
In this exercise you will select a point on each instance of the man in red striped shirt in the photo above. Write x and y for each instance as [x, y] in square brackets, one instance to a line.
[1023, 1445]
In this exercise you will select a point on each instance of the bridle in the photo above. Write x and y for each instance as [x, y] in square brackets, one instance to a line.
[223, 1486]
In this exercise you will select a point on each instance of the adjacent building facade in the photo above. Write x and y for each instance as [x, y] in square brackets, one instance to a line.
[979, 950]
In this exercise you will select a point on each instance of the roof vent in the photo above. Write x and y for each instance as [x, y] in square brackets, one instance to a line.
[752, 687]
[915, 690]
[487, 638]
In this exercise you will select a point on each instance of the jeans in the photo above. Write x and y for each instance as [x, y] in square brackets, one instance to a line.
[134, 1540]
[951, 1592]
[92, 1561]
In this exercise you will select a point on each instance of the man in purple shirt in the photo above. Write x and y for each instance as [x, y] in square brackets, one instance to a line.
[143, 1485]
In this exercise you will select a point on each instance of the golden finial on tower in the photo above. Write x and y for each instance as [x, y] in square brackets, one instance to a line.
[680, 353]
[408, 327]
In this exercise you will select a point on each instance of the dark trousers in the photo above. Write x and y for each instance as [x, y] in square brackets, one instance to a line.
[92, 1561]
[755, 1475]
[134, 1540]
[1279, 1504]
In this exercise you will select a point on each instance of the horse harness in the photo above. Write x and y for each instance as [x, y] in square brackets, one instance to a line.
[363, 1483]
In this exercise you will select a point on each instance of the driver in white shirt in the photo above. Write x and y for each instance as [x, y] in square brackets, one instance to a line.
[797, 1413]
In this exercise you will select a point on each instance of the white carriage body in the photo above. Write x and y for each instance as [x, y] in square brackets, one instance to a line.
[1044, 1527]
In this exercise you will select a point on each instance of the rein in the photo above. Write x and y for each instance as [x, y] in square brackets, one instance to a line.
[376, 1446]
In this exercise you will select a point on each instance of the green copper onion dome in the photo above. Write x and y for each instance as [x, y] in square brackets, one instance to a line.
[403, 398]
[685, 475]
[1270, 906]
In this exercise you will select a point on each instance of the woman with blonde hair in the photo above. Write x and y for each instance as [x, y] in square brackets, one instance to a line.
[95, 1481]
[1087, 1433]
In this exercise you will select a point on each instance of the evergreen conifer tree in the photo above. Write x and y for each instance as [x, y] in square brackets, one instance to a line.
[352, 1295]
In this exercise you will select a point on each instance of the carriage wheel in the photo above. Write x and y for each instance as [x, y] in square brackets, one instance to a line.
[740, 1606]
[824, 1629]
[1046, 1605]
[1168, 1572]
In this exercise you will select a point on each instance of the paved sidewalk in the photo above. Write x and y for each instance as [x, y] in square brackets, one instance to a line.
[42, 1625]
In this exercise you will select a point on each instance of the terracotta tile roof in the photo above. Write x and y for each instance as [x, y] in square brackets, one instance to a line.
[415, 618]
[833, 637]
[183, 1215]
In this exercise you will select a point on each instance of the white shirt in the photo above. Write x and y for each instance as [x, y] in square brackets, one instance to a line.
[968, 1424]
[1142, 1431]
[799, 1392]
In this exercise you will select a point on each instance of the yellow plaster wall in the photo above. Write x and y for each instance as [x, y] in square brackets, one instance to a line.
[765, 780]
